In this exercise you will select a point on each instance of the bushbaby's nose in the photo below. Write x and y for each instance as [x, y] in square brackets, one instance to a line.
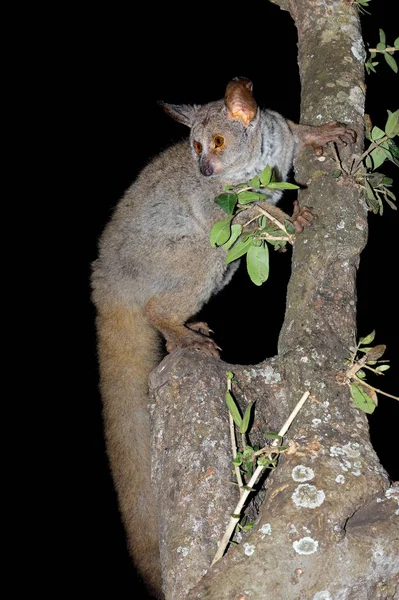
[206, 168]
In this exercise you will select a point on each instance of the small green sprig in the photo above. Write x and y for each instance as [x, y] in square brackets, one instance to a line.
[382, 147]
[387, 50]
[268, 230]
[363, 394]
[361, 4]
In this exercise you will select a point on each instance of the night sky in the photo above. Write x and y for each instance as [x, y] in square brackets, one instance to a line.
[118, 81]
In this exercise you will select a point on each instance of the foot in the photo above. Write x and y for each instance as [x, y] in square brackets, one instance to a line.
[302, 217]
[193, 339]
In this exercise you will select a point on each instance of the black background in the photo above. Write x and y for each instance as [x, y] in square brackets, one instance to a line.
[123, 63]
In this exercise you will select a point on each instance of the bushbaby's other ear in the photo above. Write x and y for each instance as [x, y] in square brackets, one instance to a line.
[239, 100]
[184, 113]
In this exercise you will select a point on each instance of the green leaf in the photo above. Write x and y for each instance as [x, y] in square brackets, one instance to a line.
[289, 226]
[396, 43]
[391, 62]
[282, 185]
[382, 368]
[247, 197]
[361, 374]
[220, 232]
[392, 125]
[382, 36]
[266, 175]
[367, 339]
[371, 198]
[233, 408]
[273, 436]
[239, 249]
[361, 399]
[236, 230]
[378, 156]
[376, 133]
[246, 418]
[258, 263]
[337, 173]
[255, 182]
[391, 204]
[248, 526]
[369, 162]
[381, 46]
[387, 180]
[237, 462]
[393, 148]
[227, 202]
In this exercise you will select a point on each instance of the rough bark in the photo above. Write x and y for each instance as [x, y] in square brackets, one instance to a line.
[328, 525]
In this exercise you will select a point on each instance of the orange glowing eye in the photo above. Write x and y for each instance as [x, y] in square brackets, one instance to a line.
[218, 141]
[198, 147]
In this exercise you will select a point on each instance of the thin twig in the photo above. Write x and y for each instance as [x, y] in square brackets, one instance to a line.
[373, 388]
[383, 51]
[237, 511]
[273, 219]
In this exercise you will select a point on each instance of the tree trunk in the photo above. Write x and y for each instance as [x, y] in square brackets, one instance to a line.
[326, 527]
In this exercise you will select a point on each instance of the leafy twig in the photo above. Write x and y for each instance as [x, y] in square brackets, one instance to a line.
[235, 517]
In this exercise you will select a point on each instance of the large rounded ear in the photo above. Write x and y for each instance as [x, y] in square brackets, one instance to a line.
[184, 113]
[239, 100]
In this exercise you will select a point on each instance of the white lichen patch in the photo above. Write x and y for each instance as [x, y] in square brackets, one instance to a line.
[292, 530]
[351, 449]
[316, 422]
[184, 551]
[266, 529]
[340, 479]
[357, 50]
[308, 496]
[341, 225]
[305, 545]
[304, 359]
[270, 376]
[248, 549]
[323, 595]
[336, 451]
[393, 492]
[302, 473]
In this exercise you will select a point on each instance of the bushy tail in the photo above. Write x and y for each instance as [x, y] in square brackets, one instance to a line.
[128, 351]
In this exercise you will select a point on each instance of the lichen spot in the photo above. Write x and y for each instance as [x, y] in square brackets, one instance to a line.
[184, 551]
[323, 595]
[308, 496]
[305, 545]
[302, 473]
[266, 529]
[351, 449]
[340, 479]
[248, 549]
[357, 50]
[270, 376]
